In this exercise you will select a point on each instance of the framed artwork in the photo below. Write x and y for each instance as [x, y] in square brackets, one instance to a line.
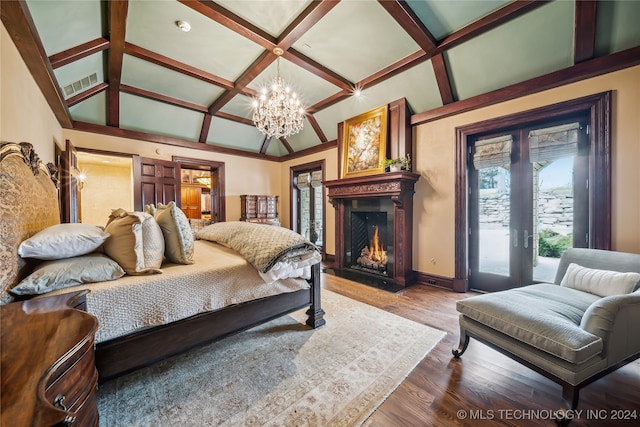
[364, 143]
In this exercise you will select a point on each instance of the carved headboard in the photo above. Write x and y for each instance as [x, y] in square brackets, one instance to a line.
[28, 204]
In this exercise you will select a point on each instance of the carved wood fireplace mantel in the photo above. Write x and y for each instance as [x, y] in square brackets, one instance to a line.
[398, 187]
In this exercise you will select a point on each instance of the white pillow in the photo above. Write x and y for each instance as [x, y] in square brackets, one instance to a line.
[64, 273]
[63, 241]
[136, 242]
[599, 282]
[178, 236]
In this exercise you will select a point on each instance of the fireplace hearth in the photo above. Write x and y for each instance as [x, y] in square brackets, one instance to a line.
[374, 221]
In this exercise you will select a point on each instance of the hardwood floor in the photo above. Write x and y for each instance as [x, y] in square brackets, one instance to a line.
[484, 387]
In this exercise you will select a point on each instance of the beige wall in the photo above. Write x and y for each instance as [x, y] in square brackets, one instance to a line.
[242, 175]
[24, 112]
[106, 187]
[434, 159]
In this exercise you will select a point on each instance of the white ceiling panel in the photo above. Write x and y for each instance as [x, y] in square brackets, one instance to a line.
[65, 24]
[358, 38]
[514, 52]
[444, 17]
[272, 16]
[146, 75]
[230, 134]
[209, 46]
[144, 115]
[91, 110]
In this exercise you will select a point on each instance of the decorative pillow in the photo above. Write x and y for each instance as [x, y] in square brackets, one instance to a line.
[63, 273]
[136, 242]
[63, 241]
[603, 283]
[178, 236]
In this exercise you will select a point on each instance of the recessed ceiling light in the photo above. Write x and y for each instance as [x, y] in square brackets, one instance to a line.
[184, 26]
[357, 92]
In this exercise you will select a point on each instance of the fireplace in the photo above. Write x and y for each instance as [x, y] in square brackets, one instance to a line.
[373, 257]
[374, 221]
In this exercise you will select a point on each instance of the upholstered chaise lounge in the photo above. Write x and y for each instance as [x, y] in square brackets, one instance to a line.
[574, 331]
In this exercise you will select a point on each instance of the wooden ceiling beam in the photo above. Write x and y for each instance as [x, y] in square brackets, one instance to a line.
[316, 127]
[17, 20]
[234, 118]
[504, 14]
[180, 67]
[204, 131]
[584, 40]
[118, 11]
[393, 70]
[232, 21]
[286, 144]
[258, 66]
[76, 99]
[327, 102]
[78, 52]
[303, 22]
[265, 144]
[167, 140]
[318, 69]
[442, 78]
[163, 98]
[410, 23]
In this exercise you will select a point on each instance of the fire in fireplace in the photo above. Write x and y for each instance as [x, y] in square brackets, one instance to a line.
[374, 256]
[369, 248]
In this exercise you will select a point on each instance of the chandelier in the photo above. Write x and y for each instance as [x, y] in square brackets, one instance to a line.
[278, 112]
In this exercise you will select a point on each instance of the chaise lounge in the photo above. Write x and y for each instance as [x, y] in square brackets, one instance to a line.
[574, 331]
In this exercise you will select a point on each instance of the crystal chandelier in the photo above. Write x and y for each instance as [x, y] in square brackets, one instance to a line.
[278, 112]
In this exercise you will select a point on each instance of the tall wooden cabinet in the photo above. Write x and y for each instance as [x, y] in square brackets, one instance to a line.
[191, 198]
[259, 209]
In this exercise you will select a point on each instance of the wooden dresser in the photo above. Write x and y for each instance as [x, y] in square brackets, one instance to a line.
[48, 367]
[260, 209]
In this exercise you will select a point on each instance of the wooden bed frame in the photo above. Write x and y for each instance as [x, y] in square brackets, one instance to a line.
[127, 353]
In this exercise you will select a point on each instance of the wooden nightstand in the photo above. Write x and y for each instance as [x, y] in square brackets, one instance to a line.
[48, 366]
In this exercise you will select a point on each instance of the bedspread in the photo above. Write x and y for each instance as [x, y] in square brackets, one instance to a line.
[218, 278]
[266, 247]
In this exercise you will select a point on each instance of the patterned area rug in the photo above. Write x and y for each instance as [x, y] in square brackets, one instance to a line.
[278, 374]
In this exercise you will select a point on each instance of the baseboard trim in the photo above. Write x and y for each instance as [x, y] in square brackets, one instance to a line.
[434, 280]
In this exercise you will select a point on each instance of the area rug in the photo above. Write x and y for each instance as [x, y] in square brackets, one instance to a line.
[281, 373]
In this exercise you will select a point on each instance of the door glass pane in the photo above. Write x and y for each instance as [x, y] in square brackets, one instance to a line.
[552, 216]
[305, 212]
[318, 211]
[494, 214]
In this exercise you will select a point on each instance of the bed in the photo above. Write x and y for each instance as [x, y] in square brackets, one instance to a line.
[145, 318]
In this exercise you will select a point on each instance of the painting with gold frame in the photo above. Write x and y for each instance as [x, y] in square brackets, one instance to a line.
[364, 143]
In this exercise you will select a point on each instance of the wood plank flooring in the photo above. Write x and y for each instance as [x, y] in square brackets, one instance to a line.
[483, 388]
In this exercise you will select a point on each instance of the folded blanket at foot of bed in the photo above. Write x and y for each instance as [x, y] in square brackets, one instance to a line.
[276, 252]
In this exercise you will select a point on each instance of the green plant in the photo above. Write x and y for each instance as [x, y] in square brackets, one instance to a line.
[404, 161]
[552, 244]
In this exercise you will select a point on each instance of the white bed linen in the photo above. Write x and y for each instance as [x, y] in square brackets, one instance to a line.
[218, 278]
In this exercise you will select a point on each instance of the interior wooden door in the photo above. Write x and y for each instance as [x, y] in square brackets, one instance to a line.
[70, 185]
[155, 181]
[192, 201]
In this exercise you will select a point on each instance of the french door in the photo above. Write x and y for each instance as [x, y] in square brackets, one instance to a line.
[528, 202]
[307, 197]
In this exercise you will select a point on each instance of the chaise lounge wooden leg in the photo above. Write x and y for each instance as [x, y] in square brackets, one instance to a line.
[570, 398]
[464, 342]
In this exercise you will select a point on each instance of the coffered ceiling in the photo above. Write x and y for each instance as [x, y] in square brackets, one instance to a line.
[125, 67]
